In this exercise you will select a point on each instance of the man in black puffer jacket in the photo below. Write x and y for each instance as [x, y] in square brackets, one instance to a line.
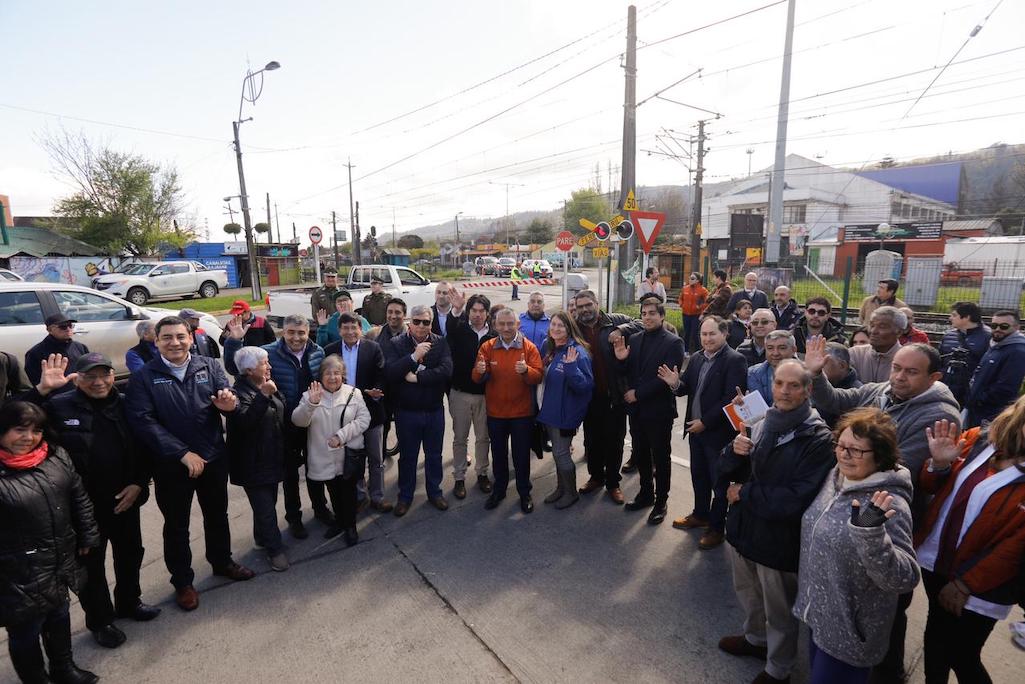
[777, 473]
[605, 422]
[91, 425]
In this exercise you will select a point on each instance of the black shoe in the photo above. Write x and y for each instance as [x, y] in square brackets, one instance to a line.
[640, 503]
[351, 537]
[459, 491]
[492, 502]
[140, 612]
[109, 636]
[332, 532]
[63, 670]
[527, 504]
[484, 484]
[71, 674]
[298, 530]
[629, 466]
[658, 514]
[325, 516]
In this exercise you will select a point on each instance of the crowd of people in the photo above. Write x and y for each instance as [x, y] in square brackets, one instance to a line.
[877, 465]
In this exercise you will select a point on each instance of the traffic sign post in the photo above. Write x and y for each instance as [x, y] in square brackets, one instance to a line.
[316, 235]
[649, 225]
[564, 241]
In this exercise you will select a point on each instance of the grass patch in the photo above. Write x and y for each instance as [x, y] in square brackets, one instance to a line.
[220, 303]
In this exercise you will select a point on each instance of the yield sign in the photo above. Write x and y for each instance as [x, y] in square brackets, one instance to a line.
[648, 224]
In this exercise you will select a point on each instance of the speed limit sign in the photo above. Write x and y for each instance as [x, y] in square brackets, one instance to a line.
[316, 235]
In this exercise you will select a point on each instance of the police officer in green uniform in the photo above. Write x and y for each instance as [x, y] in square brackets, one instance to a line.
[375, 304]
[324, 296]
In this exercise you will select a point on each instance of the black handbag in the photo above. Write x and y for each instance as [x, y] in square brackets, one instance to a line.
[355, 462]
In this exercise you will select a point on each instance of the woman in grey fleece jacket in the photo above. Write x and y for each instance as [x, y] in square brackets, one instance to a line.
[857, 554]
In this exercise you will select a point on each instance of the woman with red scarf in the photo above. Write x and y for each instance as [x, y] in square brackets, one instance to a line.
[46, 520]
[971, 541]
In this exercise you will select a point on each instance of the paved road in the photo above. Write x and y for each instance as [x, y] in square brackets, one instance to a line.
[586, 594]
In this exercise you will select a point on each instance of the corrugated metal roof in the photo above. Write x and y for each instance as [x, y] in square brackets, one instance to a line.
[40, 242]
[968, 224]
[937, 181]
[395, 251]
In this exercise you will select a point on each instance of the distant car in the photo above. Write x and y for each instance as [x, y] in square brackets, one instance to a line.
[527, 268]
[143, 281]
[504, 267]
[6, 275]
[486, 266]
[105, 323]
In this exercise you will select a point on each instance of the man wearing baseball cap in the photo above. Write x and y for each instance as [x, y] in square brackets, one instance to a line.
[60, 329]
[90, 422]
[202, 344]
[258, 331]
[375, 304]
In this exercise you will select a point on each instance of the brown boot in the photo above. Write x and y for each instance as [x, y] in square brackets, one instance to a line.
[592, 485]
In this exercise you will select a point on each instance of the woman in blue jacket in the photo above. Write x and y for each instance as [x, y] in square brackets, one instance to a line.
[564, 396]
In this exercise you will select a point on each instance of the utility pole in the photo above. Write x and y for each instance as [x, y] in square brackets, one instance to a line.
[270, 233]
[295, 233]
[772, 234]
[254, 268]
[334, 234]
[277, 221]
[625, 290]
[393, 241]
[356, 245]
[695, 238]
[352, 219]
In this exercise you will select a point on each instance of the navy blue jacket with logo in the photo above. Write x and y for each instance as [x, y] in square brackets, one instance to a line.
[172, 417]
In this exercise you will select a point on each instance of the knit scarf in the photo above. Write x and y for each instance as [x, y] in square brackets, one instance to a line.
[24, 461]
[777, 424]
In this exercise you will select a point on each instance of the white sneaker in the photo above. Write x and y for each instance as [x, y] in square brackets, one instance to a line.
[279, 563]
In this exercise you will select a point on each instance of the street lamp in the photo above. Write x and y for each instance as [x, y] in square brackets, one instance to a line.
[455, 257]
[254, 93]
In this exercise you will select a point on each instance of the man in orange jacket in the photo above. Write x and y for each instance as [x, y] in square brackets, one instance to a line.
[510, 367]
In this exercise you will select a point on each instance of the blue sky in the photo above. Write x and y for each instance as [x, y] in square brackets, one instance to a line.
[176, 70]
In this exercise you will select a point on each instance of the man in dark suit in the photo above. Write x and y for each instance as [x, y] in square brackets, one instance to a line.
[364, 369]
[651, 405]
[447, 307]
[758, 298]
[709, 383]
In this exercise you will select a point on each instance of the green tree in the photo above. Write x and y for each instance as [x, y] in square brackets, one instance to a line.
[232, 228]
[586, 203]
[181, 236]
[411, 241]
[122, 201]
[539, 232]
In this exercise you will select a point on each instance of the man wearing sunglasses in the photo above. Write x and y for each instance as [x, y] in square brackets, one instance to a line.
[60, 329]
[817, 319]
[998, 377]
[418, 366]
[753, 349]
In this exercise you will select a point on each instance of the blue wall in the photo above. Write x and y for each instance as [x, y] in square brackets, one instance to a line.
[211, 255]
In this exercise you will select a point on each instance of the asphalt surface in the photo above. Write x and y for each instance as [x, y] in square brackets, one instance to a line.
[590, 593]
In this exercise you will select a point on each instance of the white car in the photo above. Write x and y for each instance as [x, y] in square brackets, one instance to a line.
[143, 281]
[6, 276]
[106, 324]
[527, 268]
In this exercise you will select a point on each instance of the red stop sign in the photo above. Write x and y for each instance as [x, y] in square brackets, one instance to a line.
[564, 241]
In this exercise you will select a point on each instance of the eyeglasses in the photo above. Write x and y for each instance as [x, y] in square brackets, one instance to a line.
[852, 452]
[66, 326]
[817, 312]
[995, 326]
[420, 321]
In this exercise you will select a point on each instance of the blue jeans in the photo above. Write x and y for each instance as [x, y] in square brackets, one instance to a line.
[414, 428]
[691, 326]
[709, 492]
[24, 637]
[502, 431]
[263, 499]
[825, 669]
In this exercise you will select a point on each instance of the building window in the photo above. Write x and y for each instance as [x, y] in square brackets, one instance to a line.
[905, 210]
[895, 209]
[794, 213]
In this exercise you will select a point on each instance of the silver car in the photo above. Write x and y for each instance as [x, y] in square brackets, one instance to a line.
[106, 324]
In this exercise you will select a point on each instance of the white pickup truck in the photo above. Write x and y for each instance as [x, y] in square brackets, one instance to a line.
[143, 281]
[399, 281]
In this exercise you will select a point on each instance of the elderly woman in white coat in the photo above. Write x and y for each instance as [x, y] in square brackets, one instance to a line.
[336, 417]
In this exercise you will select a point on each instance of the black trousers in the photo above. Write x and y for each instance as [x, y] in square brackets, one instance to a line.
[124, 534]
[604, 433]
[295, 458]
[652, 449]
[952, 642]
[263, 499]
[342, 491]
[174, 493]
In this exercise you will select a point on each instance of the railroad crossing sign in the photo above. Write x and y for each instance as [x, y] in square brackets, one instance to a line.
[600, 252]
[316, 235]
[649, 224]
[564, 241]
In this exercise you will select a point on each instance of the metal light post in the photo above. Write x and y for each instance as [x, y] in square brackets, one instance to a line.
[455, 257]
[254, 271]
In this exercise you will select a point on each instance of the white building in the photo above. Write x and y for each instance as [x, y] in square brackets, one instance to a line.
[817, 201]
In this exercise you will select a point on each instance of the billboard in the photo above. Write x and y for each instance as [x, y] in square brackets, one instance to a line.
[869, 232]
